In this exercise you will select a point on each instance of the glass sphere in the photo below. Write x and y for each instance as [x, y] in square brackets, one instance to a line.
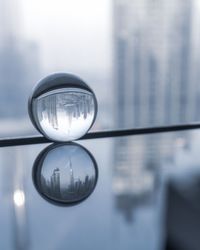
[65, 174]
[62, 107]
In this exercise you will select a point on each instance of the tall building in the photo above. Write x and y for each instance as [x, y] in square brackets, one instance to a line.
[156, 63]
[55, 183]
[19, 64]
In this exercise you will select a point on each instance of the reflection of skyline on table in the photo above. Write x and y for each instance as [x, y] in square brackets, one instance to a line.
[136, 175]
[73, 188]
[123, 214]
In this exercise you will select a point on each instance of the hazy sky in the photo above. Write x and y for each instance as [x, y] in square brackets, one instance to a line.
[72, 34]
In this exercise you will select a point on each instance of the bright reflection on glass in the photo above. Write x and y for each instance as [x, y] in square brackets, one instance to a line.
[19, 198]
[65, 173]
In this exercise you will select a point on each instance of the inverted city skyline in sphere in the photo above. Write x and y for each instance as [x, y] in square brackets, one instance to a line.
[62, 107]
[65, 174]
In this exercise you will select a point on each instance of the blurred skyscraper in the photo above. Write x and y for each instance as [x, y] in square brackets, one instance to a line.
[19, 64]
[156, 63]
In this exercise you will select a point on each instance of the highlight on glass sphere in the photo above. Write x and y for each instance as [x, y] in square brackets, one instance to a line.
[65, 174]
[62, 107]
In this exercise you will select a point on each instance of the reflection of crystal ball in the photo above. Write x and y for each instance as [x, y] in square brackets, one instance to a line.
[65, 174]
[62, 107]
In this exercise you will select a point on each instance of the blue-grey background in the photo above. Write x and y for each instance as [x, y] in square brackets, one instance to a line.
[142, 59]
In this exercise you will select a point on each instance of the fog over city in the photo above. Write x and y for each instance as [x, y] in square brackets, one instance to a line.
[142, 59]
[72, 35]
[42, 37]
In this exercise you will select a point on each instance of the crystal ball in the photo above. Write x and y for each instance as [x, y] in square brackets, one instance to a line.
[65, 174]
[62, 107]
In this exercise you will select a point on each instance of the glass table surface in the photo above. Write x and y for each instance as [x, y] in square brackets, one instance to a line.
[134, 192]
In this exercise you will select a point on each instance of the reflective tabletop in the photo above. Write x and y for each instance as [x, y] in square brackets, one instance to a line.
[134, 192]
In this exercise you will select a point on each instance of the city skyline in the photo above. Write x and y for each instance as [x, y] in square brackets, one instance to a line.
[156, 75]
[19, 63]
[153, 58]
[156, 64]
[74, 190]
[27, 54]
